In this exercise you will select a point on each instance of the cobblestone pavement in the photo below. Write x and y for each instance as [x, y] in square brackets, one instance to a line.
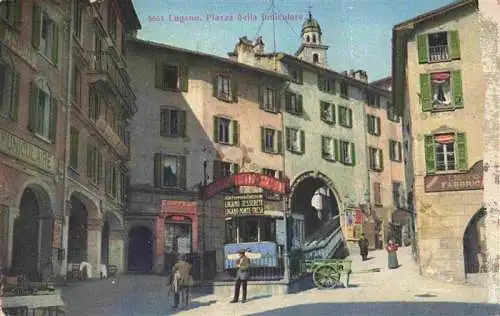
[389, 292]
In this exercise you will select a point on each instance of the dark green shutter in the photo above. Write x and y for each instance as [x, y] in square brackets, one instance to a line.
[323, 146]
[334, 112]
[322, 110]
[288, 138]
[454, 45]
[341, 151]
[301, 79]
[350, 117]
[182, 123]
[184, 78]
[216, 170]
[14, 101]
[400, 153]
[236, 133]
[425, 92]
[379, 126]
[164, 115]
[391, 150]
[320, 83]
[55, 44]
[370, 123]
[36, 26]
[381, 158]
[263, 139]
[430, 153]
[353, 154]
[159, 72]
[234, 88]
[302, 141]
[288, 98]
[236, 168]
[280, 142]
[462, 152]
[33, 109]
[260, 91]
[182, 172]
[377, 101]
[215, 85]
[336, 146]
[157, 170]
[299, 104]
[456, 77]
[216, 129]
[423, 51]
[53, 120]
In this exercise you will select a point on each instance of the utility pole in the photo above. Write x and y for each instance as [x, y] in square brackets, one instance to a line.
[203, 219]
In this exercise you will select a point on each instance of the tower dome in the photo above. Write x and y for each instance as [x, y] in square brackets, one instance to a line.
[311, 25]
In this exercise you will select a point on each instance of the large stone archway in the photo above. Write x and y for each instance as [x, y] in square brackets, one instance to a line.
[32, 234]
[474, 243]
[112, 247]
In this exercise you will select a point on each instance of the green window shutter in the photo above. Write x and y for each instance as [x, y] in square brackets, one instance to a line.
[336, 149]
[322, 110]
[341, 152]
[301, 78]
[323, 145]
[159, 71]
[288, 101]
[216, 170]
[423, 51]
[36, 26]
[236, 133]
[454, 41]
[391, 150]
[379, 126]
[234, 88]
[353, 154]
[216, 129]
[14, 101]
[157, 171]
[236, 168]
[462, 152]
[280, 142]
[456, 77]
[350, 117]
[302, 141]
[184, 78]
[182, 172]
[215, 85]
[430, 153]
[369, 123]
[260, 91]
[288, 138]
[320, 83]
[381, 158]
[299, 104]
[400, 153]
[182, 123]
[55, 44]
[334, 112]
[53, 120]
[99, 168]
[425, 92]
[263, 139]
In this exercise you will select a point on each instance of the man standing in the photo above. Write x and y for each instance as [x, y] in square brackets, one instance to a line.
[242, 276]
[181, 280]
[363, 247]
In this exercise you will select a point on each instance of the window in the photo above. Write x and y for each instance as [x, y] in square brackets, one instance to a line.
[110, 177]
[347, 153]
[314, 39]
[372, 99]
[395, 150]
[224, 88]
[45, 36]
[76, 88]
[112, 21]
[327, 112]
[170, 171]
[326, 85]
[377, 194]
[296, 75]
[295, 140]
[376, 159]
[441, 91]
[391, 113]
[94, 164]
[77, 21]
[293, 103]
[123, 186]
[226, 131]
[74, 146]
[271, 140]
[43, 112]
[173, 123]
[397, 194]
[315, 58]
[329, 147]
[222, 169]
[345, 117]
[9, 92]
[373, 125]
[275, 174]
[446, 152]
[344, 90]
[10, 11]
[171, 77]
[438, 47]
[268, 100]
[94, 105]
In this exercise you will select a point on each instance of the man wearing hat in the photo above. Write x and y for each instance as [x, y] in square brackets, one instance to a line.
[363, 247]
[242, 276]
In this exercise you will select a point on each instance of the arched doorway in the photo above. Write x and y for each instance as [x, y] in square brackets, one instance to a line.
[475, 244]
[77, 233]
[32, 240]
[140, 250]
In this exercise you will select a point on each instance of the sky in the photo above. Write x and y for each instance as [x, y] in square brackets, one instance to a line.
[357, 31]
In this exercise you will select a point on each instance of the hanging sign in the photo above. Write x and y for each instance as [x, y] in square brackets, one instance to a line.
[244, 204]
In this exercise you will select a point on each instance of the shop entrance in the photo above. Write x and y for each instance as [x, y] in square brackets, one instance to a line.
[140, 250]
[178, 239]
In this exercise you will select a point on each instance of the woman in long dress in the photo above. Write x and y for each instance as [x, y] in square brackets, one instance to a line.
[392, 249]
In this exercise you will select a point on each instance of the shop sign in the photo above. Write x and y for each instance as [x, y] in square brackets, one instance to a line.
[472, 180]
[248, 179]
[261, 254]
[174, 206]
[21, 149]
[244, 204]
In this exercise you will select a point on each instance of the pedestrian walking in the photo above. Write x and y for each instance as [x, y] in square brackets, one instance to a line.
[242, 276]
[363, 247]
[392, 249]
[180, 282]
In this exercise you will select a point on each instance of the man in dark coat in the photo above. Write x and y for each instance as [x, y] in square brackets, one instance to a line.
[242, 276]
[363, 247]
[180, 281]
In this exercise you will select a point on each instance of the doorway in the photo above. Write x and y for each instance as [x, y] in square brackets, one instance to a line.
[140, 250]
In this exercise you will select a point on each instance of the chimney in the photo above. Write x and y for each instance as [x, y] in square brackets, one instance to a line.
[258, 46]
[244, 51]
[361, 75]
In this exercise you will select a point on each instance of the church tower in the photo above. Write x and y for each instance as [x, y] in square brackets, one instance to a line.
[312, 49]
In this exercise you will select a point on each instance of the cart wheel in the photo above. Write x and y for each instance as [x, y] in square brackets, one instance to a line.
[326, 277]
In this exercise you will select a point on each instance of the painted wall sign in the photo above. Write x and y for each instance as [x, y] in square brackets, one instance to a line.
[174, 206]
[261, 254]
[472, 180]
[249, 179]
[244, 204]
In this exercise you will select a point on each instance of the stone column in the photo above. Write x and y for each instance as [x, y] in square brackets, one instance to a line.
[116, 249]
[159, 256]
[94, 232]
[64, 241]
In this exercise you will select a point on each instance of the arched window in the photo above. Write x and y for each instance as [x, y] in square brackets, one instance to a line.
[43, 110]
[314, 38]
[308, 39]
[315, 58]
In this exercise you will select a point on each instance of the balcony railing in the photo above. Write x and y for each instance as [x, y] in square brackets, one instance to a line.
[103, 63]
[10, 38]
[438, 53]
[112, 137]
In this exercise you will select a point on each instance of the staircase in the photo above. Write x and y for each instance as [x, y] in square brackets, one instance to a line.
[325, 242]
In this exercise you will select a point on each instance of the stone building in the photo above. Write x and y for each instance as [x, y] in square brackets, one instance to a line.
[438, 86]
[201, 118]
[62, 138]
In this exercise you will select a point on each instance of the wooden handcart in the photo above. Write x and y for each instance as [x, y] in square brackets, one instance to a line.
[328, 273]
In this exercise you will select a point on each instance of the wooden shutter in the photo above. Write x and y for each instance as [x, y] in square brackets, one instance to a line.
[236, 133]
[215, 85]
[182, 171]
[456, 77]
[353, 154]
[90, 159]
[279, 142]
[370, 124]
[164, 114]
[425, 92]
[184, 79]
[334, 112]
[36, 26]
[423, 50]
[430, 153]
[236, 168]
[216, 129]
[392, 154]
[182, 123]
[288, 138]
[302, 141]
[53, 120]
[322, 110]
[323, 145]
[157, 170]
[14, 96]
[216, 169]
[341, 151]
[400, 153]
[349, 113]
[159, 72]
[99, 167]
[299, 104]
[55, 44]
[288, 101]
[263, 139]
[260, 91]
[336, 149]
[320, 83]
[301, 78]
[454, 41]
[280, 174]
[234, 88]
[462, 152]
[379, 131]
[381, 158]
